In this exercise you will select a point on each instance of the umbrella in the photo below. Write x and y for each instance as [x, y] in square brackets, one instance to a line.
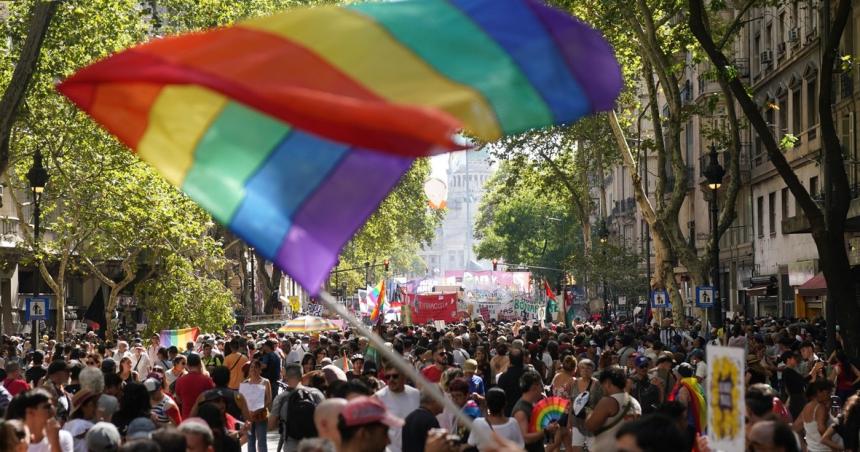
[307, 324]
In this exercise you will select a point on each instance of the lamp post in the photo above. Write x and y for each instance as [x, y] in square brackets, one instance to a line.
[38, 178]
[714, 173]
[366, 273]
[603, 236]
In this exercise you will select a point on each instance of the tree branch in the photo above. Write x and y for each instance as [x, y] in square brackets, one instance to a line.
[40, 18]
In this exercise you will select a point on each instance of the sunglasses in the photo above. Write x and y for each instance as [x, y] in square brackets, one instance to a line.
[392, 376]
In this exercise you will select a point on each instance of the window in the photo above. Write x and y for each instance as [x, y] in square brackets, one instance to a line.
[784, 200]
[795, 111]
[783, 117]
[813, 186]
[771, 217]
[757, 52]
[760, 215]
[811, 106]
[769, 117]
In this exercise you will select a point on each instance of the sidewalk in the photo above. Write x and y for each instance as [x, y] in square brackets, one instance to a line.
[271, 440]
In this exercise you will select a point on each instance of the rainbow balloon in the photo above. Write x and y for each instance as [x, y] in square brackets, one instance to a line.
[291, 129]
[547, 410]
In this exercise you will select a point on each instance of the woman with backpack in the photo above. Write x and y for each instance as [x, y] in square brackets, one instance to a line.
[257, 391]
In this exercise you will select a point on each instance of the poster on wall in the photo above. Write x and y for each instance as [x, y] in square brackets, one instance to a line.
[724, 392]
[431, 307]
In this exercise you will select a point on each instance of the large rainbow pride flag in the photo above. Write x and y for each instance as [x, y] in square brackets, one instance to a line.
[291, 129]
[180, 337]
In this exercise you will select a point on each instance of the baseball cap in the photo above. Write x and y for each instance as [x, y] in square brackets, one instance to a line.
[140, 428]
[151, 384]
[368, 410]
[103, 437]
[642, 361]
[685, 370]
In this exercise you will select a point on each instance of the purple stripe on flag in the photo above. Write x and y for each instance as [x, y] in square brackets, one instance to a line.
[589, 57]
[335, 211]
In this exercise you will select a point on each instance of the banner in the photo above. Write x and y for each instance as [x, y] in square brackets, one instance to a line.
[724, 392]
[179, 338]
[431, 307]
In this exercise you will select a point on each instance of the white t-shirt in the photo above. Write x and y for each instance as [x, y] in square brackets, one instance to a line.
[66, 444]
[399, 405]
[78, 428]
[510, 431]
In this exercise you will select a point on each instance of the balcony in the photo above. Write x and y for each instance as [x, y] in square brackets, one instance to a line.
[799, 224]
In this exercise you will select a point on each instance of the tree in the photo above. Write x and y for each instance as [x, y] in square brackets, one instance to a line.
[827, 222]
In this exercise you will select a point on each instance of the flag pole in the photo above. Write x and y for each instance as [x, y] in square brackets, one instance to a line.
[400, 363]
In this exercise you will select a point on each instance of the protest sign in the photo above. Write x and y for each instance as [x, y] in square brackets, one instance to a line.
[724, 392]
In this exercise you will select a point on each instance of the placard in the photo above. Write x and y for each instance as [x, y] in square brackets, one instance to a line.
[724, 393]
[431, 307]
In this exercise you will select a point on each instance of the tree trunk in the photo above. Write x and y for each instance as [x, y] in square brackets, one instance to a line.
[841, 288]
[8, 325]
[110, 307]
[41, 15]
[59, 287]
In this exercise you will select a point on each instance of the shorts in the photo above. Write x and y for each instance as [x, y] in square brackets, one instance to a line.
[579, 439]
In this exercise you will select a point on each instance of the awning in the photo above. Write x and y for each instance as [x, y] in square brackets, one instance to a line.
[758, 291]
[815, 287]
[761, 286]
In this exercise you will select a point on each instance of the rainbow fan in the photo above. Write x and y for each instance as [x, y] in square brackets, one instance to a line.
[547, 410]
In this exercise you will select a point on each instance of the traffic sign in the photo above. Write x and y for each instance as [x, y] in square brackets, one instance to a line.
[36, 308]
[705, 296]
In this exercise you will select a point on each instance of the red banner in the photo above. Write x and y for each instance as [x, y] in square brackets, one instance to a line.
[430, 307]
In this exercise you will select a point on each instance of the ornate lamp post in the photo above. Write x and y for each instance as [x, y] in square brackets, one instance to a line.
[714, 173]
[38, 178]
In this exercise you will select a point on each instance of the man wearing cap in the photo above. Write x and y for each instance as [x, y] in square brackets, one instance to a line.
[140, 362]
[642, 388]
[357, 367]
[84, 410]
[58, 376]
[664, 373]
[364, 424]
[164, 411]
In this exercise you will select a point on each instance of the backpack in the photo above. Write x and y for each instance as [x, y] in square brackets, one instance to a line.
[300, 414]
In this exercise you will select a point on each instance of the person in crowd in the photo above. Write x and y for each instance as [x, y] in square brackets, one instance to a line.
[165, 411]
[651, 434]
[495, 422]
[152, 349]
[14, 436]
[234, 361]
[586, 388]
[133, 404]
[198, 435]
[356, 370]
[224, 440]
[363, 425]
[325, 420]
[189, 386]
[509, 380]
[140, 362]
[642, 388]
[82, 417]
[251, 389]
[615, 407]
[400, 400]
[418, 423]
[211, 358]
[235, 403]
[36, 409]
[271, 365]
[126, 373]
[55, 382]
[476, 383]
[844, 434]
[814, 419]
[103, 437]
[531, 390]
[433, 372]
[37, 370]
[689, 393]
[279, 414]
[794, 383]
[14, 382]
[173, 374]
[846, 375]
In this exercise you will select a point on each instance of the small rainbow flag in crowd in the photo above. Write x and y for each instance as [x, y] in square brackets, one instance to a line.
[546, 411]
[378, 296]
[179, 337]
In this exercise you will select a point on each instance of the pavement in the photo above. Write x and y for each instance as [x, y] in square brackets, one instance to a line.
[271, 440]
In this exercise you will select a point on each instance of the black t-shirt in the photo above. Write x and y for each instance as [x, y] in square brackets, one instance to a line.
[510, 382]
[34, 374]
[415, 429]
[272, 372]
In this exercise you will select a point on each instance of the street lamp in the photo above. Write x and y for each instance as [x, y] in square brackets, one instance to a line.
[714, 173]
[603, 236]
[38, 178]
[366, 273]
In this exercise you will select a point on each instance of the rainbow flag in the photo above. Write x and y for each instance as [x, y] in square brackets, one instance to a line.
[696, 410]
[291, 129]
[179, 337]
[378, 295]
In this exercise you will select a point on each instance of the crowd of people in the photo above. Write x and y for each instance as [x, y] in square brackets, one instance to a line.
[629, 387]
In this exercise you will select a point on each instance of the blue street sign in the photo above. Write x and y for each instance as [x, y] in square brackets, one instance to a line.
[705, 297]
[660, 298]
[36, 308]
